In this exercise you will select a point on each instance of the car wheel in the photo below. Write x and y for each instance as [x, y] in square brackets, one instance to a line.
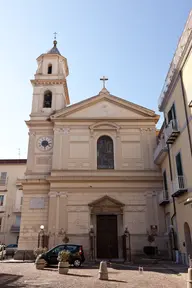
[77, 263]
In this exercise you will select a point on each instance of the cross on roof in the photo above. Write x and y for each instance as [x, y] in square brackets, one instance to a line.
[55, 35]
[104, 79]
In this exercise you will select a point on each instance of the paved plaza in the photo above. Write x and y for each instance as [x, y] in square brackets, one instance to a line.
[26, 275]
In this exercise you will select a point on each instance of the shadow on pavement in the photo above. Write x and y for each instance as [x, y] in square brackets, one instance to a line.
[7, 280]
[55, 269]
[163, 269]
[117, 281]
[79, 275]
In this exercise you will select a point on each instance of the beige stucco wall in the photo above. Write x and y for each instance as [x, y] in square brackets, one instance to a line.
[32, 218]
[75, 155]
[12, 201]
[61, 182]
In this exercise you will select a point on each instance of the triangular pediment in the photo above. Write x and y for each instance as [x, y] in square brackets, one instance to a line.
[106, 201]
[104, 106]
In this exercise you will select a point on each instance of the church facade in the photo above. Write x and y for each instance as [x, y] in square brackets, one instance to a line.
[90, 175]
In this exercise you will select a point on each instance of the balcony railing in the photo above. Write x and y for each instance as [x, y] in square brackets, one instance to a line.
[163, 197]
[172, 131]
[15, 229]
[179, 186]
[160, 152]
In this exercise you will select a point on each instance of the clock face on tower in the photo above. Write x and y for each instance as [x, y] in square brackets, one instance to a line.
[45, 143]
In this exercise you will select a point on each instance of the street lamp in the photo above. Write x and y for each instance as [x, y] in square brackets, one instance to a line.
[91, 231]
[41, 236]
[91, 236]
[126, 248]
[126, 232]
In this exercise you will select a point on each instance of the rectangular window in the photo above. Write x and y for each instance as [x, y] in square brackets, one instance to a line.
[18, 221]
[21, 203]
[3, 177]
[166, 195]
[171, 114]
[179, 164]
[0, 223]
[165, 181]
[1, 200]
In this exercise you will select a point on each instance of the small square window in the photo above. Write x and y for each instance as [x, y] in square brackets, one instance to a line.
[3, 177]
[1, 200]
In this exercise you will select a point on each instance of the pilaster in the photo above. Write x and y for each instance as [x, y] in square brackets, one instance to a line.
[31, 150]
[52, 211]
[63, 219]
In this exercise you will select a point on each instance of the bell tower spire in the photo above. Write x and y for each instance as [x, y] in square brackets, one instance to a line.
[50, 92]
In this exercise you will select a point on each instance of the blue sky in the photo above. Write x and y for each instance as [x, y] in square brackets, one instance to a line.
[130, 41]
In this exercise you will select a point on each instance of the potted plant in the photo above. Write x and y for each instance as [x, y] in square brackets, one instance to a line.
[63, 265]
[39, 263]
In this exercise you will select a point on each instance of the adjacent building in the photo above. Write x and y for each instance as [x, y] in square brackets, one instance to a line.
[174, 150]
[11, 196]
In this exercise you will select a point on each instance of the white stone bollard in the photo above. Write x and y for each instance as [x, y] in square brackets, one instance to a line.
[103, 272]
[189, 280]
[140, 269]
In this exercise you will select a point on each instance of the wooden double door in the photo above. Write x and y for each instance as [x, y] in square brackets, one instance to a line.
[107, 238]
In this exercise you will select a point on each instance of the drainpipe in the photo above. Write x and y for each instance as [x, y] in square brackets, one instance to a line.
[185, 108]
[170, 166]
[174, 214]
[174, 206]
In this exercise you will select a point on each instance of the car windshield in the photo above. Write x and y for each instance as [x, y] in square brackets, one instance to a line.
[56, 250]
[72, 248]
[11, 246]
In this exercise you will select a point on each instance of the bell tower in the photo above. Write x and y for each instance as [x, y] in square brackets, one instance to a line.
[50, 92]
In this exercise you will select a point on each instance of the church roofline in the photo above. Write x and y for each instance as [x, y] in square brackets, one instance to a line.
[54, 55]
[109, 97]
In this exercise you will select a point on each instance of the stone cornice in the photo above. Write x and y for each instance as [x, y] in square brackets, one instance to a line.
[40, 82]
[163, 99]
[127, 119]
[104, 178]
[99, 125]
[105, 172]
[142, 111]
[40, 123]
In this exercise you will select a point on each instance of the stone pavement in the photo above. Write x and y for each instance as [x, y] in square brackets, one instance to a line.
[26, 275]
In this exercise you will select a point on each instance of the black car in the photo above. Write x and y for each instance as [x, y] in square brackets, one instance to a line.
[11, 249]
[76, 254]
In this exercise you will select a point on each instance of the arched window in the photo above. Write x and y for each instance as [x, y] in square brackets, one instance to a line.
[105, 154]
[49, 70]
[47, 102]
